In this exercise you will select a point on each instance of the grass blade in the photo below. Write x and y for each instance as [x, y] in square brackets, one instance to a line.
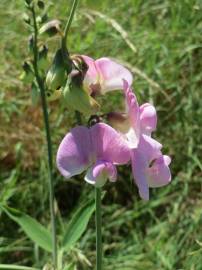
[34, 230]
[15, 267]
[78, 224]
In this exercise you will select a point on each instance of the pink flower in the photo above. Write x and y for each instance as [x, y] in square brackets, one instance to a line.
[104, 75]
[142, 119]
[97, 149]
[150, 168]
[136, 120]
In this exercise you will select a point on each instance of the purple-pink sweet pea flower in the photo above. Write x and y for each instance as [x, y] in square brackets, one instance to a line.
[104, 75]
[97, 150]
[150, 168]
[142, 119]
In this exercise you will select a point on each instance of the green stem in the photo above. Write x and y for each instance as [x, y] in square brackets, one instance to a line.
[98, 223]
[48, 137]
[78, 118]
[65, 53]
[69, 22]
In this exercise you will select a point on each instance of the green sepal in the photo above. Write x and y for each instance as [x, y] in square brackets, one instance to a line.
[56, 75]
[78, 99]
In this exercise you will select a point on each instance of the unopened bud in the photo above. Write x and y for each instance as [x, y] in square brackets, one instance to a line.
[78, 99]
[31, 42]
[57, 73]
[51, 28]
[43, 51]
[41, 4]
[39, 20]
[26, 18]
[27, 74]
[27, 67]
[44, 18]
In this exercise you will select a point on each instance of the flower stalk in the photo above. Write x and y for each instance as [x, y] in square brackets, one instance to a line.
[98, 223]
[68, 24]
[66, 30]
[48, 136]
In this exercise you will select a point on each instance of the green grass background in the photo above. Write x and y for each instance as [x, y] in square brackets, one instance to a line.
[164, 233]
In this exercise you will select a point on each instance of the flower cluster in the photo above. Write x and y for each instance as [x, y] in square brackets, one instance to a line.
[100, 148]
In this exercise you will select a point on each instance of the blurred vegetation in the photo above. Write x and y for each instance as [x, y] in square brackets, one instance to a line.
[164, 46]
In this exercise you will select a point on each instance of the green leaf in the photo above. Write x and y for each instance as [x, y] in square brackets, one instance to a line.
[34, 230]
[15, 267]
[78, 224]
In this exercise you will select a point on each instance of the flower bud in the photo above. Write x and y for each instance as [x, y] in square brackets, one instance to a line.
[27, 67]
[78, 99]
[31, 42]
[39, 20]
[43, 51]
[44, 17]
[26, 18]
[27, 74]
[57, 73]
[40, 4]
[51, 28]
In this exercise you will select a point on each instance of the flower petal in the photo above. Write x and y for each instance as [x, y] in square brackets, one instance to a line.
[100, 172]
[139, 165]
[159, 173]
[91, 79]
[148, 118]
[133, 112]
[75, 152]
[148, 150]
[109, 145]
[112, 74]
